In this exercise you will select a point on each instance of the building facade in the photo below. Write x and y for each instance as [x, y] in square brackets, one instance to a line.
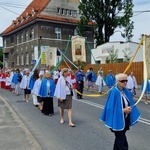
[43, 23]
[101, 53]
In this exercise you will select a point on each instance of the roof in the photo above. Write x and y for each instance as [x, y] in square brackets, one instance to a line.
[32, 12]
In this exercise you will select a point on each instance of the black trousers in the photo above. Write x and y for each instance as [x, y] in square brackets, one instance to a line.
[120, 140]
[80, 87]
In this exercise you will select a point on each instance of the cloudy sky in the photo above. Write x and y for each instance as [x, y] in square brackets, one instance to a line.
[10, 10]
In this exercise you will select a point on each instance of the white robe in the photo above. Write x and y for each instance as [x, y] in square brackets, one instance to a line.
[100, 81]
[25, 82]
[60, 91]
[36, 87]
[131, 82]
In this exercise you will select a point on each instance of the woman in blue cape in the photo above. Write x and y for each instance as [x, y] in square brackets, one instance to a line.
[91, 78]
[46, 91]
[119, 112]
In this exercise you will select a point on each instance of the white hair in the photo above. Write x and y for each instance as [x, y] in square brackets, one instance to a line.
[120, 75]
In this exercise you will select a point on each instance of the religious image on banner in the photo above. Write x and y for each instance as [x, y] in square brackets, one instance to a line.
[78, 49]
[51, 56]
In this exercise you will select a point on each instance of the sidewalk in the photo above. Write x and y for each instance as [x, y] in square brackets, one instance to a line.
[14, 134]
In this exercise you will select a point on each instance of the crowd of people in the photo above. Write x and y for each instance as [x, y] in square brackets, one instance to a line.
[119, 111]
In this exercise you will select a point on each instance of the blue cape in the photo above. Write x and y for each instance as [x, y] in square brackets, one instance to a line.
[147, 86]
[113, 115]
[43, 88]
[31, 83]
[15, 78]
[110, 80]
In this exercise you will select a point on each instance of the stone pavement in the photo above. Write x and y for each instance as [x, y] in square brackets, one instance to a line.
[13, 133]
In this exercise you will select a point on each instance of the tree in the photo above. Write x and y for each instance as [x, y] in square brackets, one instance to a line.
[106, 16]
[127, 54]
[113, 56]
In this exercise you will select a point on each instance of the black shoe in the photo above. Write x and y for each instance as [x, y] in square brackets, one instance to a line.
[81, 98]
[78, 97]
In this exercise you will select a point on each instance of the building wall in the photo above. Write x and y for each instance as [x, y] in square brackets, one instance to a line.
[100, 53]
[45, 30]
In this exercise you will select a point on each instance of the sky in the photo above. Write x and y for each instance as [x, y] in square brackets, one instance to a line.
[141, 20]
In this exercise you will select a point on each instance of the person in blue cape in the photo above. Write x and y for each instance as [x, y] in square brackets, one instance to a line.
[16, 80]
[46, 91]
[91, 78]
[110, 79]
[120, 112]
[147, 90]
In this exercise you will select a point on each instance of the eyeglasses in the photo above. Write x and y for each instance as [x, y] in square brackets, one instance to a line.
[123, 81]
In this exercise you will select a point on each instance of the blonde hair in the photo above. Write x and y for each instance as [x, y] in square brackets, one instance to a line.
[64, 70]
[120, 75]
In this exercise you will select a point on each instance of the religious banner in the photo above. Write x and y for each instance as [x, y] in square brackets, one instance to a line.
[51, 56]
[78, 49]
[147, 54]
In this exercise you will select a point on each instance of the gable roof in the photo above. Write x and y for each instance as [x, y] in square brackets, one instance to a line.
[32, 12]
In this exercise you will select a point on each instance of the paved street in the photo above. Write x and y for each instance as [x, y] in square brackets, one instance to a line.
[33, 130]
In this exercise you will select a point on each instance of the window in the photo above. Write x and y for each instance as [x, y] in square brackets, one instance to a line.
[75, 32]
[5, 43]
[12, 39]
[32, 33]
[32, 55]
[22, 60]
[63, 11]
[27, 58]
[67, 12]
[74, 13]
[12, 51]
[17, 60]
[17, 39]
[27, 36]
[21, 35]
[71, 12]
[58, 10]
[58, 33]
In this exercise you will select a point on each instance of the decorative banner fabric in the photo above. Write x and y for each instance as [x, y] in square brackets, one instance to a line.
[78, 49]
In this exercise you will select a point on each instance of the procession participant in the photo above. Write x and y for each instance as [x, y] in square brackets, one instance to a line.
[91, 78]
[132, 83]
[33, 78]
[147, 91]
[64, 96]
[8, 81]
[46, 91]
[11, 77]
[73, 80]
[79, 75]
[56, 75]
[119, 112]
[16, 80]
[24, 85]
[110, 79]
[100, 83]
[36, 90]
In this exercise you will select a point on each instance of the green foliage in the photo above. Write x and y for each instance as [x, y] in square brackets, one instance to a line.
[1, 64]
[127, 54]
[79, 63]
[106, 16]
[113, 56]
